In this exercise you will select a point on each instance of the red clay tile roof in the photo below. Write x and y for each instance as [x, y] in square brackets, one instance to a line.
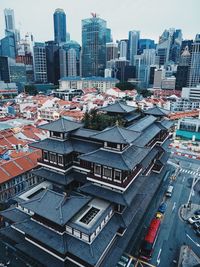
[18, 166]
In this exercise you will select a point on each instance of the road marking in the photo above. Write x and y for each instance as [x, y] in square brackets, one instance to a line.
[174, 206]
[183, 179]
[158, 258]
[197, 244]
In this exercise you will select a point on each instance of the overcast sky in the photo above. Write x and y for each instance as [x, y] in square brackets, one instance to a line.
[151, 17]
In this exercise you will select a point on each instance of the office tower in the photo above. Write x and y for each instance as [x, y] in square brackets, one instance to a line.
[187, 43]
[159, 75]
[9, 21]
[111, 51]
[145, 44]
[175, 47]
[94, 32]
[73, 50]
[4, 69]
[123, 48]
[108, 36]
[59, 18]
[194, 72]
[52, 57]
[120, 65]
[183, 69]
[134, 37]
[40, 63]
[163, 49]
[143, 63]
[8, 47]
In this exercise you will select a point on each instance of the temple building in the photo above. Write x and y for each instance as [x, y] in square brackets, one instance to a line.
[95, 189]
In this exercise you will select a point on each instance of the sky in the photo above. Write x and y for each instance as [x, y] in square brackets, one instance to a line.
[151, 17]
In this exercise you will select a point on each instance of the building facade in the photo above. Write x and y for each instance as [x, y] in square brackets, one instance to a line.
[89, 205]
[40, 63]
[94, 32]
[60, 30]
[194, 72]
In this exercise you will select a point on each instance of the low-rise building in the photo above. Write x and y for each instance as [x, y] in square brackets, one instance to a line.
[102, 84]
[189, 128]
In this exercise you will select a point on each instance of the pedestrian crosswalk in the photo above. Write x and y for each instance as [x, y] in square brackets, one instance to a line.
[190, 172]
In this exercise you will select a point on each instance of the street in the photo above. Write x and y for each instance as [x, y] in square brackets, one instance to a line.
[174, 231]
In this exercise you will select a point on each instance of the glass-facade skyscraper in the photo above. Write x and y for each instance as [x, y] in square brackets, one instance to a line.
[94, 37]
[73, 51]
[133, 40]
[9, 20]
[60, 31]
[194, 72]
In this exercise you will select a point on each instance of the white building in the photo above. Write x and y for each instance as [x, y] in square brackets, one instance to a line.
[159, 75]
[191, 93]
[102, 84]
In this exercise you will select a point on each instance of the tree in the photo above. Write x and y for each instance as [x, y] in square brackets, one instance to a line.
[31, 89]
[144, 93]
[99, 121]
[125, 86]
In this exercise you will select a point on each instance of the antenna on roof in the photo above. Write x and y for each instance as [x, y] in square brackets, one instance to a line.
[94, 15]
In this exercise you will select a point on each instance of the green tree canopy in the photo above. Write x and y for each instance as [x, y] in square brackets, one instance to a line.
[125, 86]
[99, 121]
[31, 89]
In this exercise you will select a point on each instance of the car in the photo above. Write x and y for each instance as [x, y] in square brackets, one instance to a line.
[196, 225]
[159, 215]
[194, 219]
[197, 212]
[162, 208]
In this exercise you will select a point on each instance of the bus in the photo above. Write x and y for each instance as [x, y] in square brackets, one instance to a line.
[150, 239]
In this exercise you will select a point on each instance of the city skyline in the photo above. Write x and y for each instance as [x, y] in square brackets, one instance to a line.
[124, 19]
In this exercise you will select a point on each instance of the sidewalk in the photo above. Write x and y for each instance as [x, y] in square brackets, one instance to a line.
[188, 258]
[186, 212]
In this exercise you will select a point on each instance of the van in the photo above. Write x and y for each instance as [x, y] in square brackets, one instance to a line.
[169, 191]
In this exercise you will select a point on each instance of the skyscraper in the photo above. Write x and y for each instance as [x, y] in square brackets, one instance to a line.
[111, 51]
[134, 37]
[123, 48]
[183, 69]
[9, 21]
[40, 63]
[53, 64]
[194, 72]
[73, 50]
[59, 18]
[94, 37]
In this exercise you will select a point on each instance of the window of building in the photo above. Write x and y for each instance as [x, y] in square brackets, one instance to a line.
[85, 237]
[97, 169]
[53, 158]
[107, 172]
[45, 155]
[56, 134]
[89, 216]
[77, 233]
[111, 145]
[117, 176]
[60, 160]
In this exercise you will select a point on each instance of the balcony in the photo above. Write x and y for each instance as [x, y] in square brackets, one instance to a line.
[126, 180]
[55, 165]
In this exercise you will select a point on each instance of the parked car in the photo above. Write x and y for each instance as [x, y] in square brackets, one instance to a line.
[197, 212]
[162, 208]
[196, 225]
[169, 191]
[194, 219]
